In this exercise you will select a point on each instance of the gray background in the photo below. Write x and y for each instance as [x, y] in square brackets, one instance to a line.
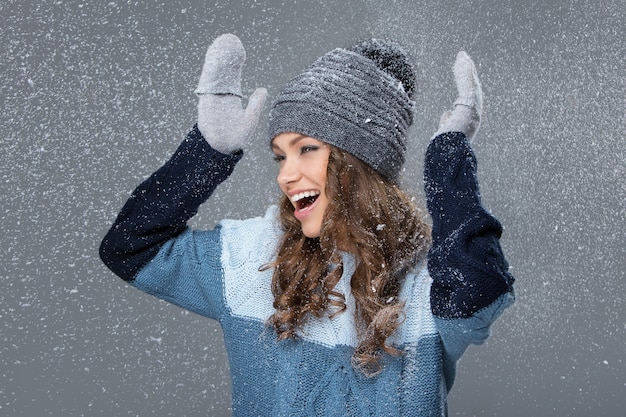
[96, 95]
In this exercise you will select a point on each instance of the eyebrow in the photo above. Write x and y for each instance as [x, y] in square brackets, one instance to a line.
[291, 142]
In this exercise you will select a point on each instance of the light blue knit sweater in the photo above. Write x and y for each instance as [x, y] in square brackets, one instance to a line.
[216, 274]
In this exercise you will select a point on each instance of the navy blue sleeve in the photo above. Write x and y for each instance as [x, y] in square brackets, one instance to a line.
[160, 207]
[466, 262]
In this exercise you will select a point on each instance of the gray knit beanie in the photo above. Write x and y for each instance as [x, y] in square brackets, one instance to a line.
[357, 99]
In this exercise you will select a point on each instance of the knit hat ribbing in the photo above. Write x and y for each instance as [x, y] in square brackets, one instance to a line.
[345, 99]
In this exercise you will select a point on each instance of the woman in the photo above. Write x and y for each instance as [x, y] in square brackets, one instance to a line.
[339, 301]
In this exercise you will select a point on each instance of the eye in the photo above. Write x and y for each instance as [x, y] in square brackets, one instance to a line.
[279, 158]
[309, 148]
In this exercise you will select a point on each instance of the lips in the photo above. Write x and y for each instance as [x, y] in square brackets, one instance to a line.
[304, 199]
[304, 202]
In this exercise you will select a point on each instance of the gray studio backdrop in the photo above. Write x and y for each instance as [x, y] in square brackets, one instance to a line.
[96, 95]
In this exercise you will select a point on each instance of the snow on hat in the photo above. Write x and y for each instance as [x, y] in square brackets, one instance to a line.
[357, 99]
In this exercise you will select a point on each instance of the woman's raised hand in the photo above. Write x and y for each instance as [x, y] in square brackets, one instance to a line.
[222, 120]
[468, 107]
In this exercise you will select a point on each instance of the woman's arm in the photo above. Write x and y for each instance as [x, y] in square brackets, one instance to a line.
[158, 210]
[465, 261]
[160, 207]
[471, 283]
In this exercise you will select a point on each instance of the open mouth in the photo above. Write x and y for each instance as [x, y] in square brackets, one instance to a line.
[302, 201]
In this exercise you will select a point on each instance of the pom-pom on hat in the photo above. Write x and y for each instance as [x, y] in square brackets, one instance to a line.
[358, 99]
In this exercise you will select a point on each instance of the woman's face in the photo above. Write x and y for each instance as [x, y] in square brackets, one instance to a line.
[302, 177]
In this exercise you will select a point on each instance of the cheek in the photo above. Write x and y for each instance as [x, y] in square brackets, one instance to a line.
[323, 174]
[280, 180]
[323, 178]
[283, 190]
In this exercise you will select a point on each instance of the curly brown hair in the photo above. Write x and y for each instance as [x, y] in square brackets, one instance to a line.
[379, 225]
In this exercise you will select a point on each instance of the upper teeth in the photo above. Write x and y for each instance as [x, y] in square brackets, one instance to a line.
[300, 196]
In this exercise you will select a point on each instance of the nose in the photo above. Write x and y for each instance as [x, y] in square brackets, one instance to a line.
[288, 172]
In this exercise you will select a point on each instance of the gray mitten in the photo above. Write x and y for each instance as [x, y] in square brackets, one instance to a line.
[468, 107]
[221, 118]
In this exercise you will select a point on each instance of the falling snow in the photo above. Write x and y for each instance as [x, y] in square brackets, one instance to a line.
[96, 95]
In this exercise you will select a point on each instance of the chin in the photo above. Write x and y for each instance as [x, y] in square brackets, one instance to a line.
[311, 233]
